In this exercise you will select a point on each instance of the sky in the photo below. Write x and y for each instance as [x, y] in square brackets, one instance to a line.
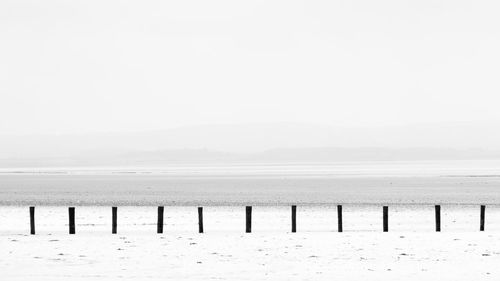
[119, 66]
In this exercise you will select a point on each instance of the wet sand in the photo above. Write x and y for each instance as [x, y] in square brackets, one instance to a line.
[154, 189]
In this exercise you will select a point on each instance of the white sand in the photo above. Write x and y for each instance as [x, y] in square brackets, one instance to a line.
[410, 251]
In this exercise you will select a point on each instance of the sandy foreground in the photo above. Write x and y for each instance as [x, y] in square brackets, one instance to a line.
[410, 251]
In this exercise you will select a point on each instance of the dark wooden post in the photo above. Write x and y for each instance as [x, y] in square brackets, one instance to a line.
[114, 212]
[200, 219]
[248, 219]
[294, 218]
[32, 220]
[386, 218]
[71, 211]
[159, 225]
[438, 217]
[483, 211]
[339, 218]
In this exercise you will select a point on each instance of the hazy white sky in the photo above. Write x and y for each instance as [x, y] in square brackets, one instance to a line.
[73, 66]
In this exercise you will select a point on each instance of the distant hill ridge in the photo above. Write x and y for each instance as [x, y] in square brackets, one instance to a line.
[281, 142]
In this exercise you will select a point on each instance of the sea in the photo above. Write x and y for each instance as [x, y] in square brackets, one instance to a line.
[467, 182]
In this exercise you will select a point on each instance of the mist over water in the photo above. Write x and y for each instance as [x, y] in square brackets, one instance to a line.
[463, 168]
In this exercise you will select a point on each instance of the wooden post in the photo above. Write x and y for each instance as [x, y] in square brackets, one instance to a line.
[32, 220]
[339, 218]
[200, 219]
[386, 218]
[114, 212]
[71, 211]
[438, 217]
[248, 219]
[159, 225]
[483, 211]
[294, 218]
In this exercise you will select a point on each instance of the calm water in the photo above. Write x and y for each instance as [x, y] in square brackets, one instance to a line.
[452, 182]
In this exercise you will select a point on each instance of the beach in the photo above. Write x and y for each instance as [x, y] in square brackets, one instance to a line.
[249, 140]
[411, 250]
